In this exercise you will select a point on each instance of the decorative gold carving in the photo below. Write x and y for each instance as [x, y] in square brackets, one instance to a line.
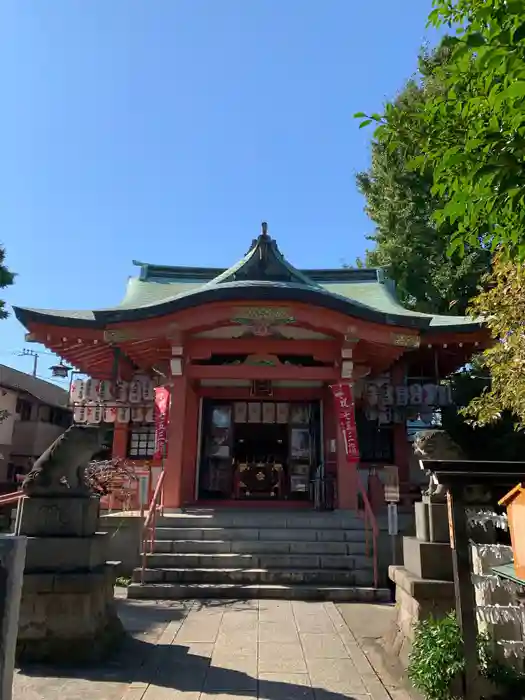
[405, 341]
[260, 476]
[261, 319]
[262, 360]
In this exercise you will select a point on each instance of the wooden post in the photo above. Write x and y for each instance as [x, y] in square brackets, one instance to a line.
[464, 590]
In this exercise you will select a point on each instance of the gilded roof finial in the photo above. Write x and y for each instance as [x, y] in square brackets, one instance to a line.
[264, 229]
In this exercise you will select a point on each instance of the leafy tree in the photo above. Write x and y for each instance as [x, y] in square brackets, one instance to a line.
[6, 279]
[399, 199]
[502, 304]
[471, 133]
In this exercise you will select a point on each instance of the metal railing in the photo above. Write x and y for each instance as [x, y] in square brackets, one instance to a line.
[17, 497]
[150, 524]
[370, 524]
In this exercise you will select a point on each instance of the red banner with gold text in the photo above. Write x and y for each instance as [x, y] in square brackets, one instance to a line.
[162, 407]
[345, 407]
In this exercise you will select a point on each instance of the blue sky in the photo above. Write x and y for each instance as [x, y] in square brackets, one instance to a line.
[166, 131]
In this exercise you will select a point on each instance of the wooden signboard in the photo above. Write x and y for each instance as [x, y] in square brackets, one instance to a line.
[391, 484]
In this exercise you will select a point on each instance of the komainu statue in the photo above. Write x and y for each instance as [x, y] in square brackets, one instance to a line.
[60, 469]
[436, 444]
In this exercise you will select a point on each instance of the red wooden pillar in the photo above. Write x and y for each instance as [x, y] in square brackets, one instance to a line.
[173, 462]
[120, 440]
[346, 473]
[190, 446]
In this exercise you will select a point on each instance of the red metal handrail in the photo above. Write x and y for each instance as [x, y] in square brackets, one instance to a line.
[370, 517]
[150, 523]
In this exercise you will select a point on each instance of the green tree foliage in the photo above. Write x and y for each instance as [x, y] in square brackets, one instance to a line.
[502, 304]
[471, 132]
[399, 199]
[6, 280]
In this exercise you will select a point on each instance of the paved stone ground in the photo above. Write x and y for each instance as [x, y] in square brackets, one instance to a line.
[221, 650]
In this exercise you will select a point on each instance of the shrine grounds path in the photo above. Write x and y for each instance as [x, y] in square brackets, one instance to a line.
[232, 650]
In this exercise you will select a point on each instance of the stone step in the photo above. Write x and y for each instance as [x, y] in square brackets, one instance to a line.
[174, 591]
[255, 533]
[200, 546]
[258, 561]
[263, 519]
[334, 577]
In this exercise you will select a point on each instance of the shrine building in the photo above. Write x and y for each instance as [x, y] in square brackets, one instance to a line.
[251, 357]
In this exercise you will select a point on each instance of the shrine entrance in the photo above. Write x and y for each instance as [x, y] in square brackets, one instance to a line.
[258, 450]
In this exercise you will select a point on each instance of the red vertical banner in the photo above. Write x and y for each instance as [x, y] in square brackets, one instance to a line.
[345, 406]
[162, 407]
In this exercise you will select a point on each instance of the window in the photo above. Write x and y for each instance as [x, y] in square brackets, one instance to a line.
[24, 408]
[141, 442]
[376, 442]
[58, 416]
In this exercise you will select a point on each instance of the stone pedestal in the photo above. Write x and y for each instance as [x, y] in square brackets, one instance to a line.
[12, 556]
[424, 584]
[67, 612]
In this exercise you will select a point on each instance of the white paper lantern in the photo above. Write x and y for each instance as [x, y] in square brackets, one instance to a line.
[110, 414]
[371, 413]
[429, 394]
[92, 389]
[105, 391]
[123, 414]
[401, 395]
[385, 416]
[93, 414]
[78, 391]
[371, 394]
[137, 414]
[79, 414]
[148, 390]
[149, 415]
[415, 393]
[135, 391]
[387, 394]
[121, 391]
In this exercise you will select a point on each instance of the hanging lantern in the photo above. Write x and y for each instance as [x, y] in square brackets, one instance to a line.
[79, 414]
[371, 394]
[415, 392]
[121, 391]
[387, 394]
[105, 390]
[148, 392]
[429, 394]
[78, 391]
[61, 371]
[110, 414]
[123, 414]
[401, 395]
[135, 391]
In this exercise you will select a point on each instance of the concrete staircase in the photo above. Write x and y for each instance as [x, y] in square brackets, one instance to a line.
[259, 554]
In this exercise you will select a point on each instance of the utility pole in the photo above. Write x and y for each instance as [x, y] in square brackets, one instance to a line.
[34, 355]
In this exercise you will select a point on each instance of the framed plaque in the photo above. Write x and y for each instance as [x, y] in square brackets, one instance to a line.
[240, 412]
[283, 412]
[254, 412]
[268, 412]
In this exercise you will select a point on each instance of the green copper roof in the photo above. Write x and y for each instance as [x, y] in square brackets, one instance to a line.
[263, 274]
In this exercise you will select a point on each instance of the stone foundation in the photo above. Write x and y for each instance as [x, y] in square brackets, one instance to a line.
[416, 599]
[67, 612]
[68, 618]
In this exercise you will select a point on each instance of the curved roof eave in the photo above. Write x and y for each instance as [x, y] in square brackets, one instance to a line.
[236, 292]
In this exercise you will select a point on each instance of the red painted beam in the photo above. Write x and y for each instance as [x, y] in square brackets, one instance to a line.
[203, 348]
[286, 372]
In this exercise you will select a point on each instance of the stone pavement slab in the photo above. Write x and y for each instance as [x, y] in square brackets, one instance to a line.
[223, 650]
